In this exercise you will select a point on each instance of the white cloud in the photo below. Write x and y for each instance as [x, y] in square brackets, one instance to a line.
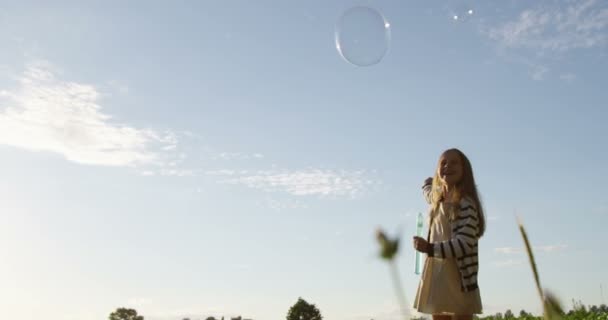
[551, 248]
[169, 147]
[538, 73]
[283, 204]
[508, 263]
[568, 77]
[222, 172]
[48, 114]
[508, 250]
[539, 37]
[238, 156]
[176, 172]
[302, 182]
[581, 24]
[519, 250]
[138, 302]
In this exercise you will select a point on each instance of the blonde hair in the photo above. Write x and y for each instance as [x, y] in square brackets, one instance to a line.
[464, 188]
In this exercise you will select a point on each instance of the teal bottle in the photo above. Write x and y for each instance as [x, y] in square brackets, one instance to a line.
[419, 227]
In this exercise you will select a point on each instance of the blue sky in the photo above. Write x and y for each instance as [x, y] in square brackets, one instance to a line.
[200, 158]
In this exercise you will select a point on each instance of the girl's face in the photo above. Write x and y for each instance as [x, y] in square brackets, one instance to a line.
[450, 168]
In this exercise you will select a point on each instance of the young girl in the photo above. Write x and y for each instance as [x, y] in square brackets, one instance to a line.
[448, 287]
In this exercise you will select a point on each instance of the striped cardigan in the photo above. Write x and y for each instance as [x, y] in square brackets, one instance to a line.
[462, 246]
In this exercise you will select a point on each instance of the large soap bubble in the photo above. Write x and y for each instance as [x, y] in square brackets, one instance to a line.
[362, 36]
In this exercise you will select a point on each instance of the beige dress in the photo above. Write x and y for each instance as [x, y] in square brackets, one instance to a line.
[439, 291]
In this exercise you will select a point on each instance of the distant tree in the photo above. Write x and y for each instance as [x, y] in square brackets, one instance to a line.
[523, 314]
[303, 310]
[509, 314]
[125, 314]
[579, 306]
[212, 318]
[498, 316]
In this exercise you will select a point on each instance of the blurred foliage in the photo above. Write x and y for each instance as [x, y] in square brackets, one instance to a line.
[578, 312]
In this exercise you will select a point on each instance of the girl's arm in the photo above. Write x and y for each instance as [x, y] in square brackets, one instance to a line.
[464, 237]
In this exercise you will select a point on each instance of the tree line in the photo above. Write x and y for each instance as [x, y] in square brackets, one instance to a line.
[301, 310]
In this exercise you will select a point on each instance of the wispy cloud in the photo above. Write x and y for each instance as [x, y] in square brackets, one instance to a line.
[581, 24]
[551, 248]
[568, 77]
[45, 113]
[493, 217]
[238, 156]
[540, 36]
[301, 182]
[138, 302]
[519, 250]
[507, 263]
[508, 250]
[281, 204]
[539, 71]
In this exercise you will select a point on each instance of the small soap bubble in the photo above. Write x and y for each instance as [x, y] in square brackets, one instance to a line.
[461, 11]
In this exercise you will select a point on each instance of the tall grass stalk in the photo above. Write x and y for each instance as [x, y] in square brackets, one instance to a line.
[552, 309]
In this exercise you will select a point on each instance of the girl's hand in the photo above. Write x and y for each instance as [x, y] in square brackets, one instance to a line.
[428, 180]
[420, 244]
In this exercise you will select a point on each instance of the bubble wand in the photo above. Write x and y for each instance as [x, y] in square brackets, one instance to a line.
[419, 226]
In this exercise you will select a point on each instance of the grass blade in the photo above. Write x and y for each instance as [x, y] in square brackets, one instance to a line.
[531, 258]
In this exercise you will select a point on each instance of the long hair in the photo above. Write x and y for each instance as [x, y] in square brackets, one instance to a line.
[464, 188]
